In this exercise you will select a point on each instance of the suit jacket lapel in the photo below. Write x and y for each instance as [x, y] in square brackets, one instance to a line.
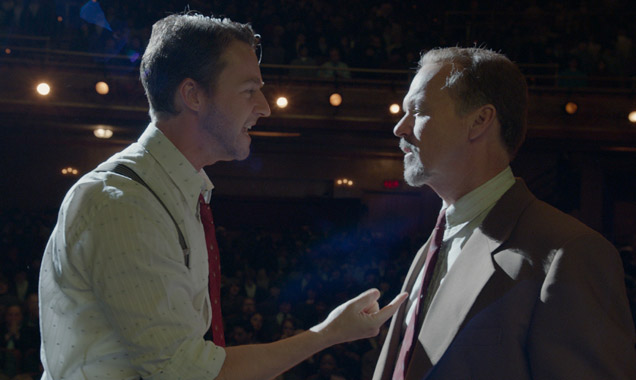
[388, 355]
[470, 273]
[456, 295]
[458, 291]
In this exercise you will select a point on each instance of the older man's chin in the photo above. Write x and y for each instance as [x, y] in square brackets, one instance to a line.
[415, 176]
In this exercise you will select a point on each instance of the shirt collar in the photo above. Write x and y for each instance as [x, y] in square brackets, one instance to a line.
[207, 187]
[477, 201]
[185, 177]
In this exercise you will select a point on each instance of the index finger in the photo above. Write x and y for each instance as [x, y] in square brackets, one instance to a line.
[386, 312]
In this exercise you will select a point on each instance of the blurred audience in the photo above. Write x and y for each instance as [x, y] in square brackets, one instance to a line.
[377, 34]
[309, 271]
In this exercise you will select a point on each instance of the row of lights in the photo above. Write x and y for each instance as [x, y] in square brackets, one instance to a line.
[44, 88]
[344, 182]
[335, 100]
[571, 108]
[70, 171]
[282, 102]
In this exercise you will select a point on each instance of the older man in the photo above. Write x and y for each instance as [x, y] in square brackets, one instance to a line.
[507, 287]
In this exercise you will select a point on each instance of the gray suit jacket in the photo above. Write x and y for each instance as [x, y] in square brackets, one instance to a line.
[535, 294]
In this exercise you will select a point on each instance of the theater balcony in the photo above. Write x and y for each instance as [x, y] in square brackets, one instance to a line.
[580, 158]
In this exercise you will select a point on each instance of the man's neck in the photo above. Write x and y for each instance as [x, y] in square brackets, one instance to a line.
[464, 183]
[187, 138]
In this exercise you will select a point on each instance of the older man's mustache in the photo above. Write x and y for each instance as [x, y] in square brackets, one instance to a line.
[407, 146]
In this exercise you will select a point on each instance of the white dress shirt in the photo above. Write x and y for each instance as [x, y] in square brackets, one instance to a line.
[117, 300]
[462, 218]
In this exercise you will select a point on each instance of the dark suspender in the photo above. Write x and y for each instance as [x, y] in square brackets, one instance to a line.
[127, 172]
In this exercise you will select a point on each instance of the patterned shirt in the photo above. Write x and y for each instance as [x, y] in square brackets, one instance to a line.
[117, 300]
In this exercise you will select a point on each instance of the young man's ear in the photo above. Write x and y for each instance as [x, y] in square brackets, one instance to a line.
[482, 119]
[190, 95]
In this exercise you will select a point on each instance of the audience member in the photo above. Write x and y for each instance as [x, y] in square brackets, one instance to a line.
[303, 59]
[19, 344]
[334, 67]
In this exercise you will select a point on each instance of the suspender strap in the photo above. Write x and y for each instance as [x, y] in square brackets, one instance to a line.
[127, 172]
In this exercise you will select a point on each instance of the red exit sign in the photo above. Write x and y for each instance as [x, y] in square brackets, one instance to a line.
[392, 184]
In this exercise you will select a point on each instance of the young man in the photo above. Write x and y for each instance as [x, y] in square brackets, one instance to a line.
[507, 287]
[125, 275]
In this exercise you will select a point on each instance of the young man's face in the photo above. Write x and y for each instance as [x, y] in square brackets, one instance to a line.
[236, 103]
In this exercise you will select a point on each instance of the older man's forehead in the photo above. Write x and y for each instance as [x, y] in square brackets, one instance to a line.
[420, 84]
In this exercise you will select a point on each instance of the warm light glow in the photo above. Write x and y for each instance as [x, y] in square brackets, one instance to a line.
[571, 108]
[103, 133]
[335, 99]
[282, 102]
[632, 116]
[102, 88]
[394, 108]
[43, 89]
[70, 171]
[60, 19]
[7, 51]
[344, 182]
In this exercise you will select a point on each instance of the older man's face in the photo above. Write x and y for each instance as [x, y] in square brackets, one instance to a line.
[432, 135]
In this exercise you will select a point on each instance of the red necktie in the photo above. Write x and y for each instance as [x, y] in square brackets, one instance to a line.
[401, 365]
[214, 280]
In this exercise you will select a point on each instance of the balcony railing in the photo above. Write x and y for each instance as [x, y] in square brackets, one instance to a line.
[36, 53]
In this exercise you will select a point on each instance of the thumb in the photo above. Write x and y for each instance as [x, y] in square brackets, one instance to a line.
[386, 312]
[365, 299]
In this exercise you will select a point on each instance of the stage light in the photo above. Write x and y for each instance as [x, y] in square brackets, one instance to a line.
[7, 51]
[571, 108]
[43, 89]
[70, 171]
[282, 102]
[103, 133]
[632, 117]
[60, 19]
[394, 108]
[102, 88]
[335, 99]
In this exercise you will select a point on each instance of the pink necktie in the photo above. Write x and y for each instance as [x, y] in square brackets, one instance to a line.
[401, 365]
[214, 280]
